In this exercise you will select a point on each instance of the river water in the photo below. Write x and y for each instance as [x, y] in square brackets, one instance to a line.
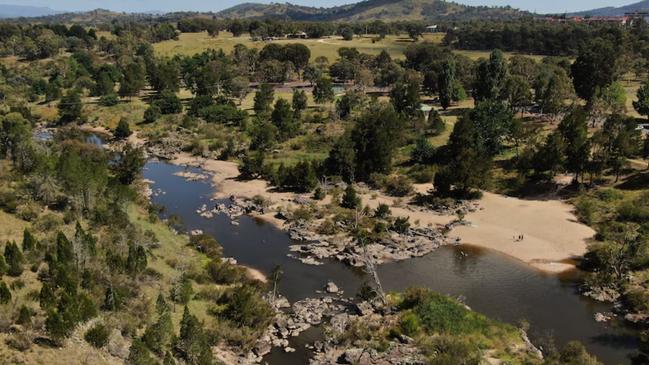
[489, 282]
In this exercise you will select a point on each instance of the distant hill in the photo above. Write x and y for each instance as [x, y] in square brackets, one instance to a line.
[642, 6]
[388, 10]
[18, 11]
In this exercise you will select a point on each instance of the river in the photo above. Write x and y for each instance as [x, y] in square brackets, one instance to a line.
[489, 282]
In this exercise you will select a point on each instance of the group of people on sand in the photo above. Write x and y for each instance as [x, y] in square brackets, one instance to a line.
[519, 238]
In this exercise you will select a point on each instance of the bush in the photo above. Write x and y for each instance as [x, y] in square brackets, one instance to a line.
[207, 244]
[152, 114]
[409, 324]
[398, 185]
[109, 100]
[350, 199]
[168, 103]
[97, 335]
[123, 129]
[223, 272]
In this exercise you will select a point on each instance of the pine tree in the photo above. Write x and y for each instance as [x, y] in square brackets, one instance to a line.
[29, 241]
[14, 259]
[284, 119]
[447, 83]
[5, 294]
[300, 102]
[139, 354]
[158, 335]
[3, 266]
[263, 99]
[350, 198]
[123, 129]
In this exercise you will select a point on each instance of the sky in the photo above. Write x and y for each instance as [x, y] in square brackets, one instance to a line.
[546, 6]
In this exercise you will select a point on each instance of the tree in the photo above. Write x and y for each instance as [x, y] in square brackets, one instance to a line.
[263, 100]
[518, 92]
[551, 90]
[134, 79]
[29, 241]
[14, 259]
[341, 160]
[596, 67]
[491, 78]
[284, 120]
[350, 198]
[469, 164]
[83, 171]
[123, 129]
[164, 75]
[375, 136]
[70, 107]
[436, 123]
[15, 132]
[158, 336]
[423, 152]
[168, 102]
[139, 354]
[5, 294]
[152, 113]
[300, 102]
[447, 83]
[323, 91]
[192, 341]
[405, 96]
[493, 123]
[642, 104]
[645, 149]
[574, 130]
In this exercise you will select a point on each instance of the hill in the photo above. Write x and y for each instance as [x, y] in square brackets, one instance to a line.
[388, 10]
[18, 11]
[642, 6]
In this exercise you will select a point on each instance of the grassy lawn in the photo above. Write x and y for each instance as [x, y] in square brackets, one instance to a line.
[192, 43]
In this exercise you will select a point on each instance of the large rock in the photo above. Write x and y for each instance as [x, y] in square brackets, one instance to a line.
[332, 288]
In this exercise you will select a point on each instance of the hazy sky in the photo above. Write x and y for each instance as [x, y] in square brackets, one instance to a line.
[546, 6]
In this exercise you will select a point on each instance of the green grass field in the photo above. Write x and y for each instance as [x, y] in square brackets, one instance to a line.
[192, 43]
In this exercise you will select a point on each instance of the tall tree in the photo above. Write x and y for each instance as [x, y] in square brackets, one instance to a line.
[447, 83]
[70, 107]
[284, 120]
[375, 136]
[596, 67]
[491, 78]
[405, 95]
[323, 91]
[133, 80]
[574, 130]
[264, 99]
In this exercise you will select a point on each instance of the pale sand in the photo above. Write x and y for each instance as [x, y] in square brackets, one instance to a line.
[552, 236]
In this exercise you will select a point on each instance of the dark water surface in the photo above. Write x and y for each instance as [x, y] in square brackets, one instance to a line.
[489, 282]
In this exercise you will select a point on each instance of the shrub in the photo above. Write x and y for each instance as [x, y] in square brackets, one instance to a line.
[409, 324]
[97, 335]
[109, 100]
[123, 129]
[223, 272]
[398, 185]
[206, 244]
[350, 198]
[5, 294]
[152, 114]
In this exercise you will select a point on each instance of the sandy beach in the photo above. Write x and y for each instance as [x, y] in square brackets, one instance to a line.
[552, 236]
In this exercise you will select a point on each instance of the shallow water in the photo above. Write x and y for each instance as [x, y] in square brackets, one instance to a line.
[489, 282]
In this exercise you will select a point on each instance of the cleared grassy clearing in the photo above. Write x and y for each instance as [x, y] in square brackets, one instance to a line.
[192, 43]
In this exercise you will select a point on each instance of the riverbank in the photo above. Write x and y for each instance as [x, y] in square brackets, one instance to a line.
[543, 234]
